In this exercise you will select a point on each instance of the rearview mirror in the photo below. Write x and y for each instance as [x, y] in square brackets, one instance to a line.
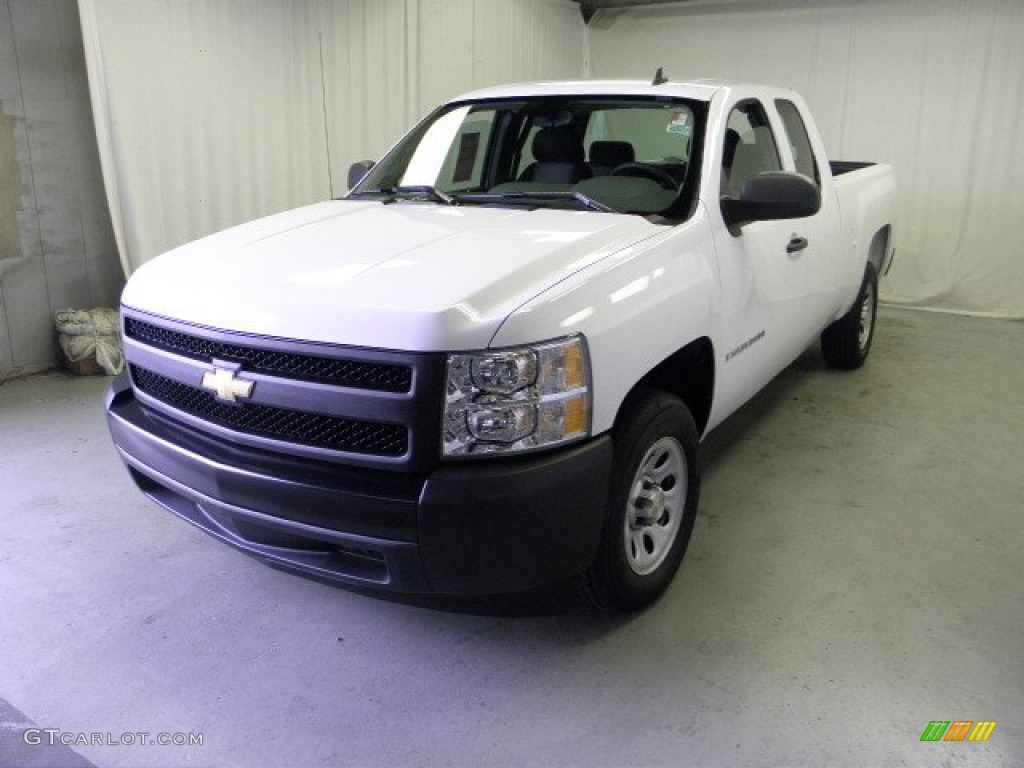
[357, 171]
[772, 195]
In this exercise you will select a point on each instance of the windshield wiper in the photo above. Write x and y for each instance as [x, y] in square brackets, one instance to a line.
[427, 192]
[412, 192]
[487, 197]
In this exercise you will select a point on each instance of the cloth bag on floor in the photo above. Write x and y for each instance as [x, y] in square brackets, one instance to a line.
[92, 333]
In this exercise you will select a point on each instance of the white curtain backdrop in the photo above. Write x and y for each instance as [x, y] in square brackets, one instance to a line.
[213, 112]
[935, 87]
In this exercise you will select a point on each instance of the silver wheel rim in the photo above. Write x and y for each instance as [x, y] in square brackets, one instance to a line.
[867, 317]
[654, 509]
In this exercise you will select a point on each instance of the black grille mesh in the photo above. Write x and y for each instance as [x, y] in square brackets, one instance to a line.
[358, 374]
[278, 423]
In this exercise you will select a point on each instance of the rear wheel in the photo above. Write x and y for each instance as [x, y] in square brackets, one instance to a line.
[651, 506]
[846, 343]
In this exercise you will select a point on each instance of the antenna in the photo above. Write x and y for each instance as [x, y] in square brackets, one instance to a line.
[323, 101]
[659, 78]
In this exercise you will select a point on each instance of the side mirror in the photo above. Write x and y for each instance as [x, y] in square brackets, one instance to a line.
[357, 171]
[772, 195]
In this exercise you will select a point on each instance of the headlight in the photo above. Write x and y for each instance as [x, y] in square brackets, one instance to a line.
[519, 399]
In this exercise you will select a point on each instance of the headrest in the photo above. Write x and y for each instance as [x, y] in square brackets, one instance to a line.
[610, 154]
[557, 145]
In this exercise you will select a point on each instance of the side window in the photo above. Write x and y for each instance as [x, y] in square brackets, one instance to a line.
[450, 153]
[463, 166]
[799, 141]
[750, 147]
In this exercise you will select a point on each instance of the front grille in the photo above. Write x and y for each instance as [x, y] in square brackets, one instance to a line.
[358, 374]
[314, 429]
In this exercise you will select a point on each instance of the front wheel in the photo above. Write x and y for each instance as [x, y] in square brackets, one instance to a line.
[652, 503]
[846, 343]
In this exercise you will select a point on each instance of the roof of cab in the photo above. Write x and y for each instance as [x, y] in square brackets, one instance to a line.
[701, 90]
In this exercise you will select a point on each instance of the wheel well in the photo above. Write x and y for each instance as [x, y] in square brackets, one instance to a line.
[879, 247]
[689, 374]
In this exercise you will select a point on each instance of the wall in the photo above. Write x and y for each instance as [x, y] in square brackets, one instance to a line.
[56, 245]
[934, 87]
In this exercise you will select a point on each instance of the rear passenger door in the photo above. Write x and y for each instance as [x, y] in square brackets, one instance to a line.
[825, 258]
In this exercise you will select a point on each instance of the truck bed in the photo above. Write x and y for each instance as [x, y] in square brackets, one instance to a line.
[865, 191]
[839, 167]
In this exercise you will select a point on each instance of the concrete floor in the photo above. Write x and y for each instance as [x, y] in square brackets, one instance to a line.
[856, 572]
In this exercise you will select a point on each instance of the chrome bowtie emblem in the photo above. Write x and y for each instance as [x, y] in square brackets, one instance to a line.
[225, 386]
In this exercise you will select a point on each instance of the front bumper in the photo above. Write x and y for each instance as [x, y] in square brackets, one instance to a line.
[469, 528]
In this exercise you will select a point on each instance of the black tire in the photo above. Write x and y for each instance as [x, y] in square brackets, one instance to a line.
[652, 503]
[846, 343]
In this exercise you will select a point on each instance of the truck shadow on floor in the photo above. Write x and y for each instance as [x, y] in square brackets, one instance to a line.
[775, 396]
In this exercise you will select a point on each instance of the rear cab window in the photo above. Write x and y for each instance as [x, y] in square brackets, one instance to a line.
[799, 140]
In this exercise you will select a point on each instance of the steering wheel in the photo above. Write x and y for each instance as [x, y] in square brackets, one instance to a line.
[644, 171]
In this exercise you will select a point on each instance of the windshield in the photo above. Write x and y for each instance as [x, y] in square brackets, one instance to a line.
[635, 155]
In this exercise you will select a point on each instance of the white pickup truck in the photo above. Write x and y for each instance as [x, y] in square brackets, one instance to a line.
[488, 367]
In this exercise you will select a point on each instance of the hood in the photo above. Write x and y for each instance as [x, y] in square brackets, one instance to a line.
[408, 275]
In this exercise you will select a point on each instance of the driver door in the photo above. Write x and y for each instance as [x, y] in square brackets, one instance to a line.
[766, 268]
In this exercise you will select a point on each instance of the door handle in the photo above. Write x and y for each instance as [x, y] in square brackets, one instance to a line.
[796, 244]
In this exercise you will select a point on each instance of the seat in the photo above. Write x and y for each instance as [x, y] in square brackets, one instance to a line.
[606, 156]
[558, 156]
[749, 159]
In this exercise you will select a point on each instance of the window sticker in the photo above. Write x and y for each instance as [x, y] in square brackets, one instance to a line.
[679, 122]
